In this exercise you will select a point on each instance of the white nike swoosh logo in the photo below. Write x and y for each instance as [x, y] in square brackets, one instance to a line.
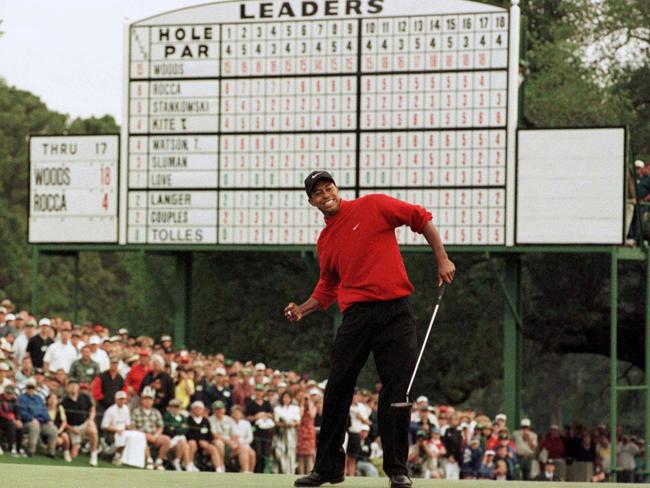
[317, 174]
[355, 227]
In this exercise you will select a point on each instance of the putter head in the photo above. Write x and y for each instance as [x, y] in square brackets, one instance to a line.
[401, 405]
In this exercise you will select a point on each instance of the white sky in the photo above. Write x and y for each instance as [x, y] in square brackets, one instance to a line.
[69, 52]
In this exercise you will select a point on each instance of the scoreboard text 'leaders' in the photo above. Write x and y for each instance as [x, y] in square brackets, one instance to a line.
[231, 104]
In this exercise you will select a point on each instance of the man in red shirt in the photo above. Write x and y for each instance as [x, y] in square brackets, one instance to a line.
[361, 267]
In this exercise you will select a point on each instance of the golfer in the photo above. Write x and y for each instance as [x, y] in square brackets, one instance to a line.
[361, 267]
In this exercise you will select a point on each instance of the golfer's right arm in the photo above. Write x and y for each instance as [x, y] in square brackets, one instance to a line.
[295, 313]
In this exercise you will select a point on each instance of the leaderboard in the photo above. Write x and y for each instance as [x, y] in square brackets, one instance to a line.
[232, 104]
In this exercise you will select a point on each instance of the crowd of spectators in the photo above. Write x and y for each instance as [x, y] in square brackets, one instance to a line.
[67, 389]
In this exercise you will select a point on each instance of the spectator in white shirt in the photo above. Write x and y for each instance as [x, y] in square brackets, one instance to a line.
[20, 344]
[244, 432]
[99, 355]
[359, 416]
[287, 418]
[60, 355]
[131, 444]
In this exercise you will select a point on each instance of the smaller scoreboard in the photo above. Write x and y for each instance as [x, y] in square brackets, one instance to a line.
[73, 196]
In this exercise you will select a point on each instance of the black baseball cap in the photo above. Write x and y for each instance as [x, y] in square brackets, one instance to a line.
[314, 177]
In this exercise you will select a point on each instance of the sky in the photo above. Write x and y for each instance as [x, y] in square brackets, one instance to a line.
[70, 52]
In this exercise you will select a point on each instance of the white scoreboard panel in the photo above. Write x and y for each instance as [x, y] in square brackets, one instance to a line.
[73, 191]
[231, 104]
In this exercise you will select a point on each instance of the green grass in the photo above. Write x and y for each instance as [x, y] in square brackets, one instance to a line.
[18, 473]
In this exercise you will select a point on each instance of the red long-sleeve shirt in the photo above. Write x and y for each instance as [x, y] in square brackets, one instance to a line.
[358, 252]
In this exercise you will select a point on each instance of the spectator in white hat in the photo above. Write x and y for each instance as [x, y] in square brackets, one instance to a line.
[149, 420]
[525, 447]
[38, 344]
[199, 436]
[130, 443]
[7, 325]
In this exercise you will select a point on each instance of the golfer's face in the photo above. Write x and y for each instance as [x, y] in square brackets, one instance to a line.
[325, 197]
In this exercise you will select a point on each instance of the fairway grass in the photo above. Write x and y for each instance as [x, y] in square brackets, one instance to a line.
[39, 476]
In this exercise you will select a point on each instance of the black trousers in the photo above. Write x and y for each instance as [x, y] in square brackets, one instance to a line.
[388, 331]
[13, 436]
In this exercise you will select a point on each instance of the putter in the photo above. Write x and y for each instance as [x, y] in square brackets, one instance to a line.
[408, 403]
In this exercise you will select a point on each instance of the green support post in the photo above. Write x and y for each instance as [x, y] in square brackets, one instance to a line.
[647, 364]
[182, 297]
[35, 255]
[512, 342]
[613, 355]
[75, 290]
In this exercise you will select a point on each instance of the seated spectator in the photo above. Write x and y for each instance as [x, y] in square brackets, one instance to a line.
[553, 448]
[421, 457]
[452, 470]
[57, 414]
[80, 414]
[25, 372]
[11, 428]
[4, 372]
[84, 370]
[199, 437]
[472, 456]
[487, 467]
[549, 473]
[525, 447]
[501, 471]
[175, 427]
[244, 432]
[364, 466]
[149, 420]
[36, 421]
[130, 444]
[222, 427]
[503, 454]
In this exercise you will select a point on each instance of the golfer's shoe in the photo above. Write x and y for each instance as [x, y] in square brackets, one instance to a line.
[316, 479]
[400, 481]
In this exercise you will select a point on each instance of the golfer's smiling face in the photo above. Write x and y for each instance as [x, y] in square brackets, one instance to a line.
[325, 197]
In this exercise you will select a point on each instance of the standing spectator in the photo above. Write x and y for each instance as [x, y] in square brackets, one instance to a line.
[7, 324]
[453, 438]
[80, 414]
[136, 375]
[38, 344]
[306, 448]
[585, 457]
[184, 386]
[105, 386]
[20, 343]
[35, 419]
[259, 413]
[243, 390]
[504, 454]
[84, 369]
[4, 380]
[97, 354]
[359, 416]
[161, 382]
[60, 354]
[525, 447]
[175, 428]
[243, 430]
[219, 390]
[57, 414]
[287, 418]
[554, 447]
[149, 420]
[549, 473]
[627, 451]
[10, 425]
[42, 388]
[130, 444]
[199, 437]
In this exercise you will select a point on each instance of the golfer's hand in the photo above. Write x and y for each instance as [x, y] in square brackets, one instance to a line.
[292, 313]
[446, 270]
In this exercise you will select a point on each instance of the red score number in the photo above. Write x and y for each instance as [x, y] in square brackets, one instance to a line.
[105, 180]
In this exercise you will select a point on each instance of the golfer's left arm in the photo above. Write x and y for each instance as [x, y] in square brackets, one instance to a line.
[446, 268]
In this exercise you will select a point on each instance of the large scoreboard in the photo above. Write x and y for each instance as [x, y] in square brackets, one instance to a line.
[229, 106]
